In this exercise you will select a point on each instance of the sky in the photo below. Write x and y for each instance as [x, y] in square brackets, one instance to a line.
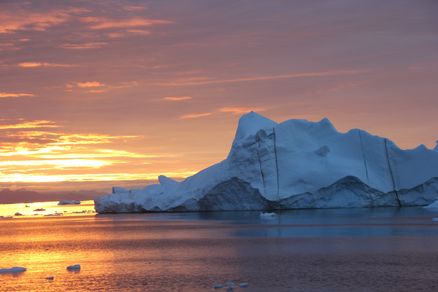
[102, 93]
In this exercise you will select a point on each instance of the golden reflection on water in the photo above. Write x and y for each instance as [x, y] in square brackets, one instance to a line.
[45, 209]
[47, 245]
[115, 253]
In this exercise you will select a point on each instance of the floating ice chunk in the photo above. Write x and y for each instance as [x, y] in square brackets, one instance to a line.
[434, 219]
[13, 270]
[50, 278]
[243, 285]
[76, 267]
[267, 215]
[18, 214]
[218, 286]
[39, 210]
[69, 202]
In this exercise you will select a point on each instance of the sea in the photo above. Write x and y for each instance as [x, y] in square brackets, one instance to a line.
[381, 249]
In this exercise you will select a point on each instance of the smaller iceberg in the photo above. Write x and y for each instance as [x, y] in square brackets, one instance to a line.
[13, 270]
[267, 215]
[74, 268]
[69, 202]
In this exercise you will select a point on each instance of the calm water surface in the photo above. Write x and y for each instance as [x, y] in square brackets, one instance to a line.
[310, 250]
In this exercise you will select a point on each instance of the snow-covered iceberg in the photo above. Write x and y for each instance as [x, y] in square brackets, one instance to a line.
[75, 267]
[13, 270]
[293, 164]
[69, 202]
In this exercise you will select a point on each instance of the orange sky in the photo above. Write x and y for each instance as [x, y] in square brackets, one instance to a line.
[96, 93]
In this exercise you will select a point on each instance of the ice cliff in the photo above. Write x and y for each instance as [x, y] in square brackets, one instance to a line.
[293, 164]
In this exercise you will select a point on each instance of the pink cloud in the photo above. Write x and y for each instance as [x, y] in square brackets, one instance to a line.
[13, 21]
[8, 46]
[31, 65]
[14, 94]
[97, 91]
[194, 116]
[84, 46]
[98, 23]
[139, 31]
[89, 84]
[205, 80]
[238, 110]
[134, 8]
[177, 98]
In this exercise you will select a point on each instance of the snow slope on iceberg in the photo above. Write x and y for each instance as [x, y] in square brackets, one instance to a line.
[287, 159]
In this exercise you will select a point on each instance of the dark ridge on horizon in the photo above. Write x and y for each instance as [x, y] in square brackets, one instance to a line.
[8, 196]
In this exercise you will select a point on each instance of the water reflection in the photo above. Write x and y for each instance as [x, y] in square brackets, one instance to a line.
[191, 251]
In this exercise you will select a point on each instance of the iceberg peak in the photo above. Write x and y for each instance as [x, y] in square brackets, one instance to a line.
[250, 123]
[326, 123]
[436, 146]
[421, 147]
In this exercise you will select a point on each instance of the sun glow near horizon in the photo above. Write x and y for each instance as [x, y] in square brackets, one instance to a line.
[41, 152]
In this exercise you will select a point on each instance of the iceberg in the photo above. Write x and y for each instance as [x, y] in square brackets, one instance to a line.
[75, 267]
[69, 202]
[13, 270]
[268, 215]
[290, 165]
